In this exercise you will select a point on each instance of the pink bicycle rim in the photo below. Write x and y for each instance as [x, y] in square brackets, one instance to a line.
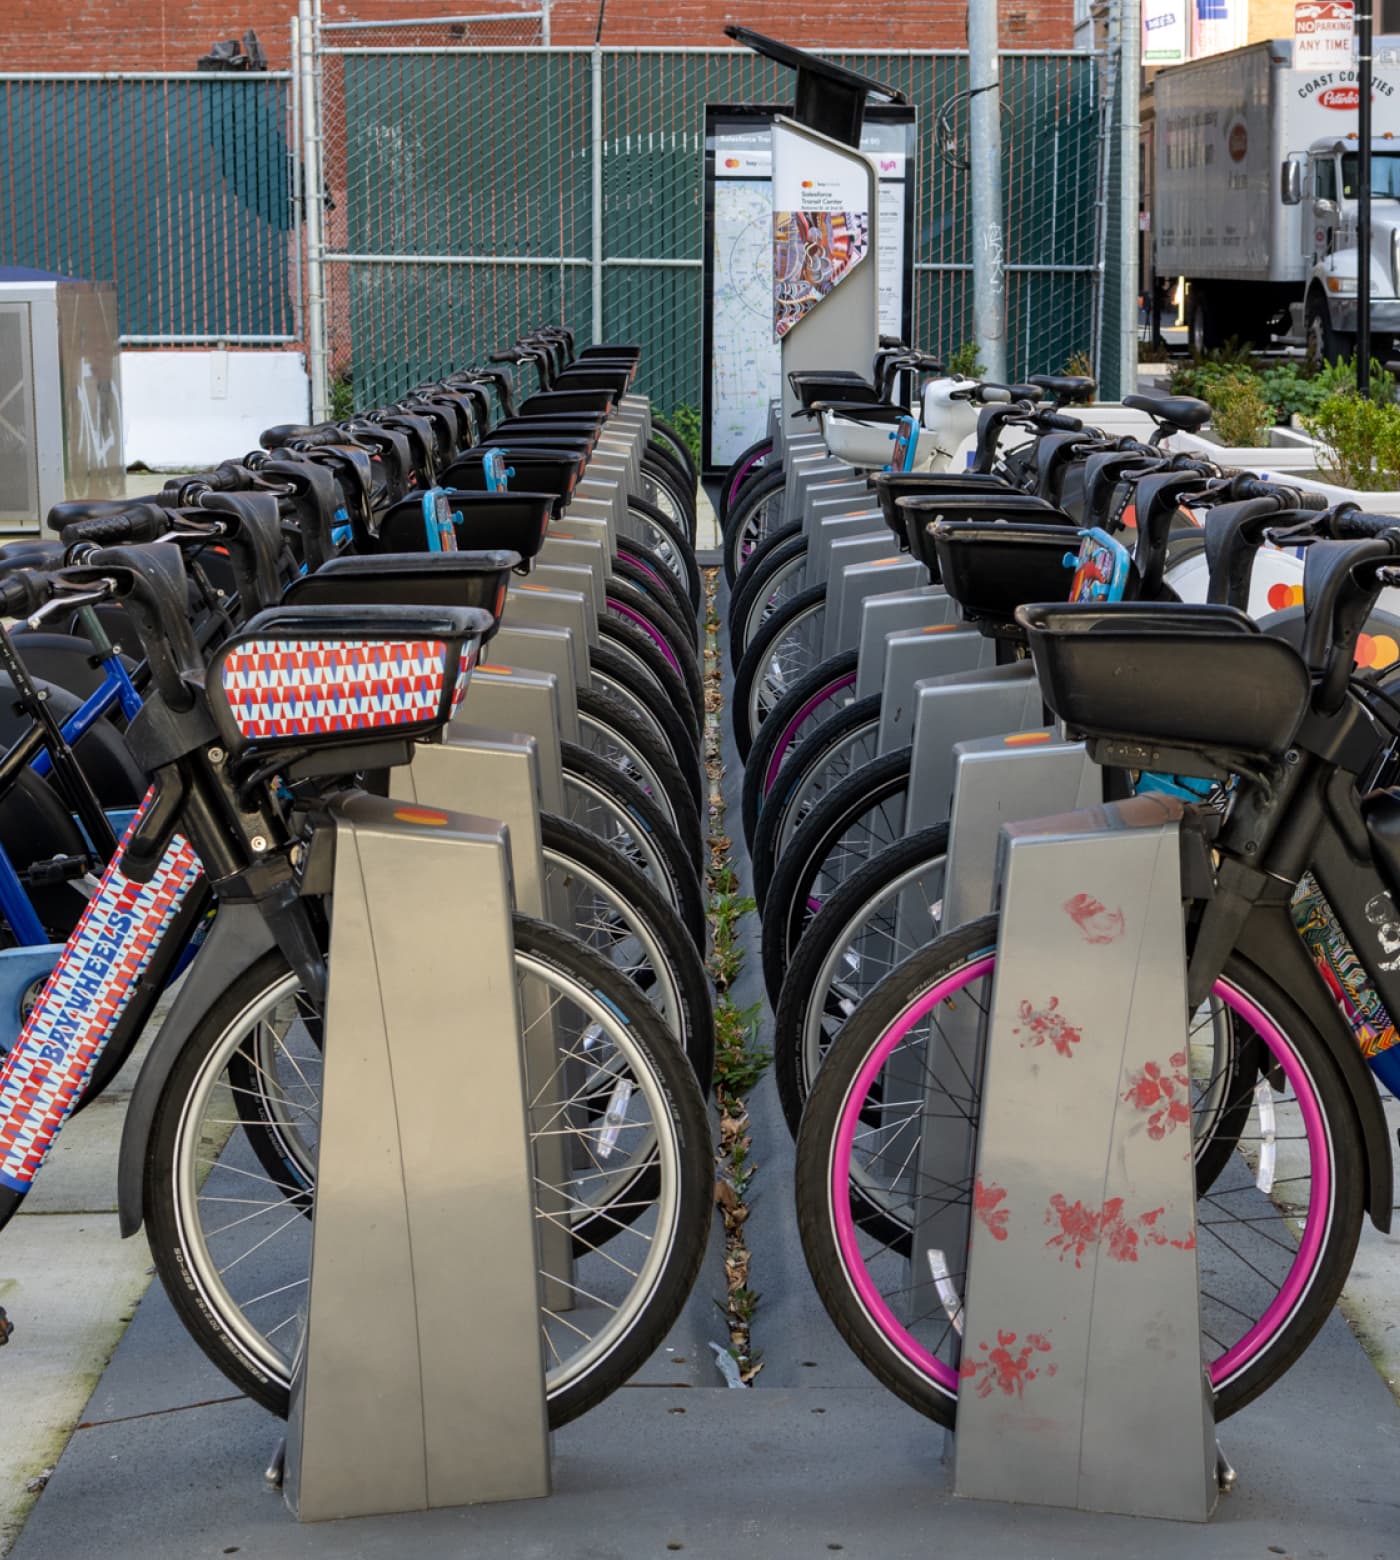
[744, 470]
[648, 628]
[945, 1375]
[785, 741]
[646, 569]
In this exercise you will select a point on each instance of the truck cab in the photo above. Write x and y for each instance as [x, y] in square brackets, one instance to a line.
[1323, 180]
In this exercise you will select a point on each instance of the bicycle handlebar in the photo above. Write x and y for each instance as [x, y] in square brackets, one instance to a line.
[25, 591]
[141, 523]
[1354, 524]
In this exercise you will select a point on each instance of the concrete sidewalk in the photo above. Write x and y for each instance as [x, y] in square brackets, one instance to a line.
[815, 1460]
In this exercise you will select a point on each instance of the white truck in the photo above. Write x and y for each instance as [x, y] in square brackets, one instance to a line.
[1254, 187]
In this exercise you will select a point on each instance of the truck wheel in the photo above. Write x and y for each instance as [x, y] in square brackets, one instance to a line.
[1325, 345]
[1200, 330]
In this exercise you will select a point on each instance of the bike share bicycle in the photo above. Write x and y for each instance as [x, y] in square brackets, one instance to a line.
[262, 1131]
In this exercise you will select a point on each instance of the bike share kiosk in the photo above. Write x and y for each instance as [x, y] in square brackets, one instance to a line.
[825, 215]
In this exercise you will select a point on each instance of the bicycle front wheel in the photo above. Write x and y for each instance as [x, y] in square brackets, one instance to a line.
[620, 1112]
[1277, 1215]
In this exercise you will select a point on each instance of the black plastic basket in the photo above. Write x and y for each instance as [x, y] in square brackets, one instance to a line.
[450, 579]
[1190, 677]
[925, 511]
[507, 522]
[990, 570]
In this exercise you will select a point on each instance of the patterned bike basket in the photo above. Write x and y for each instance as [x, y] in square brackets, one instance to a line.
[280, 690]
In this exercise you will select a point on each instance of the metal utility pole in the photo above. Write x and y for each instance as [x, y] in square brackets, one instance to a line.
[1363, 197]
[988, 234]
[313, 212]
[1130, 88]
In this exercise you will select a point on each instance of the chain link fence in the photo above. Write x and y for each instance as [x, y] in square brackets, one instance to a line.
[478, 187]
[176, 187]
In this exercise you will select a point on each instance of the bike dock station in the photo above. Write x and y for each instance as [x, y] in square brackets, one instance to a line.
[1024, 1200]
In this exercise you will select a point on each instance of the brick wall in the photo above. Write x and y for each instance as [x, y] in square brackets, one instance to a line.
[172, 34]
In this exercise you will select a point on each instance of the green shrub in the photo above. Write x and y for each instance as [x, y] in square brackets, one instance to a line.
[1359, 441]
[1240, 414]
[686, 421]
[342, 398]
[967, 361]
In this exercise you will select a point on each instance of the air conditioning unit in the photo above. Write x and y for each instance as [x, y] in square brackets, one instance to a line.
[60, 394]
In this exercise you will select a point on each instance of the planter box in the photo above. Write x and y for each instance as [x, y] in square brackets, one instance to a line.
[1288, 450]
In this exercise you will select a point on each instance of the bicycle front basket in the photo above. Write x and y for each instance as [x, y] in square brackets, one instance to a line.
[314, 676]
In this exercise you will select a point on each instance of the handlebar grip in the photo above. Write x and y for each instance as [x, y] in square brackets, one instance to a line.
[1355, 524]
[24, 592]
[141, 523]
[1058, 422]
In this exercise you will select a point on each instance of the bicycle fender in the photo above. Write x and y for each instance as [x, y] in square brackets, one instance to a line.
[1270, 942]
[237, 939]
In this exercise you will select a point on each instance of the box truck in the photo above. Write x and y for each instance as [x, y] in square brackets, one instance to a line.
[1254, 197]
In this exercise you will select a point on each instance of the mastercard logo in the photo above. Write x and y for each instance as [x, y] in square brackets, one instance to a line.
[1281, 596]
[426, 815]
[731, 162]
[1377, 651]
[806, 184]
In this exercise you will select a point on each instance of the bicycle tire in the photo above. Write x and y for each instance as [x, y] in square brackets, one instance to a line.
[610, 728]
[752, 592]
[755, 677]
[830, 755]
[756, 512]
[746, 464]
[645, 612]
[573, 847]
[638, 647]
[791, 902]
[675, 549]
[800, 711]
[608, 804]
[613, 671]
[1331, 1222]
[630, 563]
[829, 936]
[542, 953]
[673, 442]
[671, 491]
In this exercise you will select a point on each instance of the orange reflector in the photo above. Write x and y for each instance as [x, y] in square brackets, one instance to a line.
[1026, 739]
[943, 628]
[504, 670]
[426, 815]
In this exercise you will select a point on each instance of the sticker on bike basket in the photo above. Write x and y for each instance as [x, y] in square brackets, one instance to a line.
[309, 687]
[82, 1003]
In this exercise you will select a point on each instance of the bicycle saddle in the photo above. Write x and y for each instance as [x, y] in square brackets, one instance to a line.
[1170, 411]
[453, 579]
[1065, 389]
